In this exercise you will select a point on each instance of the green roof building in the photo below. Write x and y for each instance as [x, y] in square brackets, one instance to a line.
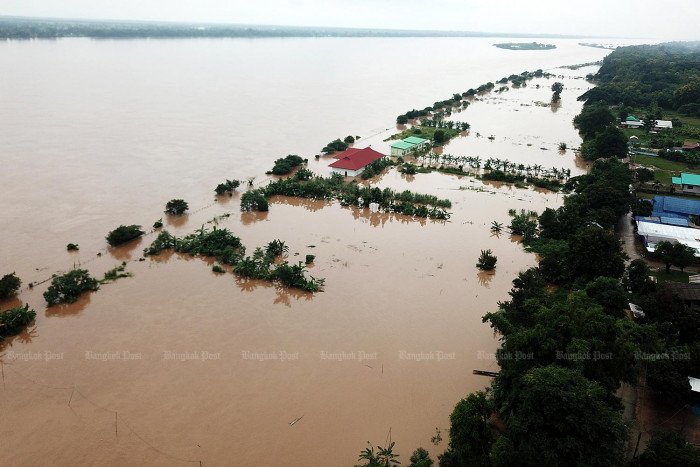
[687, 183]
[401, 148]
[415, 140]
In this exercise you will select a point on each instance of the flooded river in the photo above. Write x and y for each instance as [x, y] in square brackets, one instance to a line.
[178, 365]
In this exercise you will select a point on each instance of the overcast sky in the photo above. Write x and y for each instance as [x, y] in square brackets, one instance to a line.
[653, 19]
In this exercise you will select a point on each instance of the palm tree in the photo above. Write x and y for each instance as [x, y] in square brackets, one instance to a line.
[368, 455]
[496, 227]
[385, 457]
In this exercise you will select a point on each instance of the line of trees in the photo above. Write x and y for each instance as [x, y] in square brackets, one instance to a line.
[228, 249]
[459, 99]
[349, 194]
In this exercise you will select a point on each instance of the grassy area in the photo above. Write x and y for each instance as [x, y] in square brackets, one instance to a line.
[641, 134]
[426, 132]
[673, 276]
[663, 164]
[664, 177]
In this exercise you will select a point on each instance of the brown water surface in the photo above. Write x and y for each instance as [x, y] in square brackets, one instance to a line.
[177, 364]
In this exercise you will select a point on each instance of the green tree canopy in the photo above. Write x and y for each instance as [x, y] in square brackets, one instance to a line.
[602, 251]
[176, 206]
[669, 449]
[562, 418]
[68, 287]
[471, 433]
[123, 234]
[593, 120]
[9, 284]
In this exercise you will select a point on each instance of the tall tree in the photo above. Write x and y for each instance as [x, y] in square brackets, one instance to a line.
[602, 251]
[665, 252]
[564, 419]
[471, 433]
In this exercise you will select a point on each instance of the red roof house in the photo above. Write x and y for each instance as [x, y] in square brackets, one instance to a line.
[354, 163]
[688, 146]
[346, 153]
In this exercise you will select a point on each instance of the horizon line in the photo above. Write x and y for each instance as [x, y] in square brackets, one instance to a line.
[272, 27]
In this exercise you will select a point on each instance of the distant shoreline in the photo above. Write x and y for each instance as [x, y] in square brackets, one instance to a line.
[13, 27]
[525, 46]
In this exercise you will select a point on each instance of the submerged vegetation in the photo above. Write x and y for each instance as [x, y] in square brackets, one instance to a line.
[487, 261]
[14, 320]
[335, 146]
[115, 273]
[68, 287]
[9, 284]
[227, 187]
[254, 200]
[176, 207]
[227, 249]
[349, 194]
[285, 165]
[499, 170]
[123, 234]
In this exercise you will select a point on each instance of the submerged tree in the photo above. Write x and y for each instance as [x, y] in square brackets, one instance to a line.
[68, 287]
[176, 206]
[227, 187]
[12, 321]
[123, 234]
[9, 284]
[487, 261]
[557, 88]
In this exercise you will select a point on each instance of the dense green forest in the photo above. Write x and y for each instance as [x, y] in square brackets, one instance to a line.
[44, 28]
[664, 75]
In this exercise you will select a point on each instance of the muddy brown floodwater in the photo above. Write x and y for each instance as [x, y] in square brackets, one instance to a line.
[178, 365]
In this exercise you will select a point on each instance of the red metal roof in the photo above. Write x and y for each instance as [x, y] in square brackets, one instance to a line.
[346, 153]
[357, 159]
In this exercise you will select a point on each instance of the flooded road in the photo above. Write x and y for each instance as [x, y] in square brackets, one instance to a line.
[178, 365]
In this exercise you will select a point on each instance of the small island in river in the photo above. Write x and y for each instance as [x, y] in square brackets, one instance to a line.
[525, 46]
